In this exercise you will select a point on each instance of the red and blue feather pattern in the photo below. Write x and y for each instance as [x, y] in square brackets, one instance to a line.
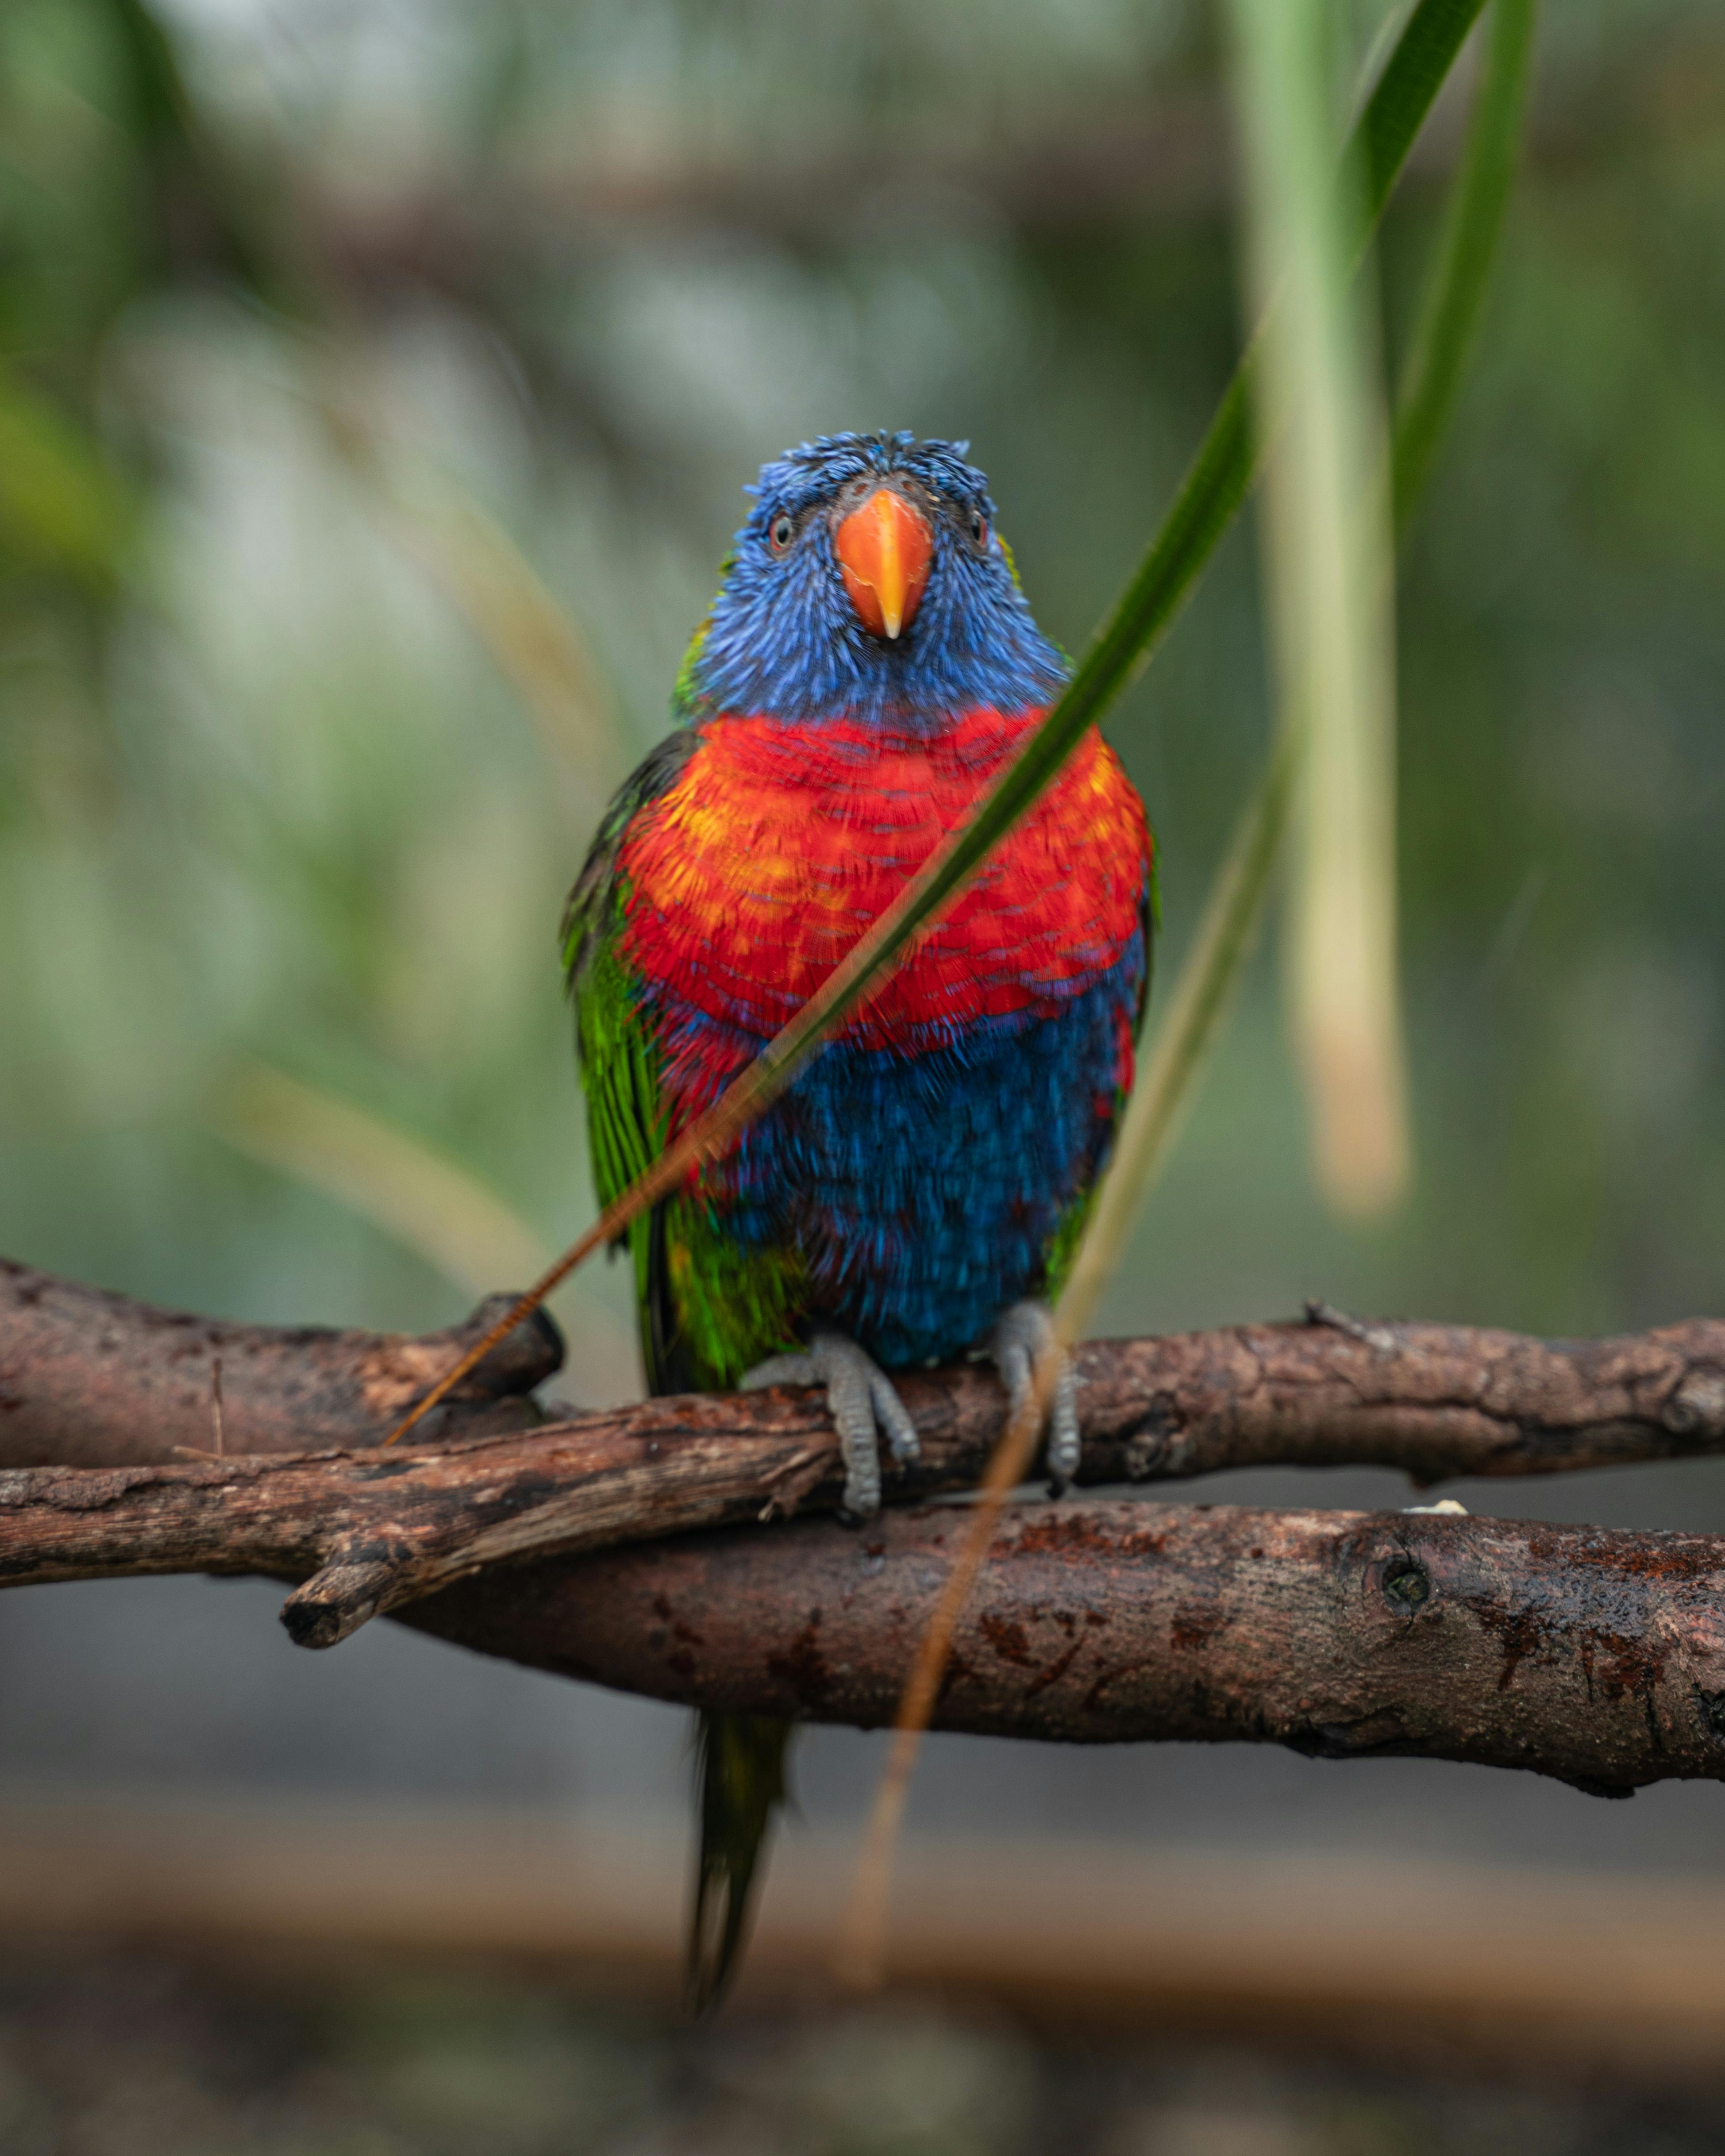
[868, 667]
[920, 1175]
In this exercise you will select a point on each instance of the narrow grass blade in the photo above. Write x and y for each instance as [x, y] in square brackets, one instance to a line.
[1193, 1014]
[1325, 529]
[1455, 290]
[1200, 998]
[532, 640]
[1226, 932]
[429, 1204]
[1228, 926]
[1218, 482]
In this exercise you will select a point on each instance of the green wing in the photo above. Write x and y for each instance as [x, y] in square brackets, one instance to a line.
[615, 1044]
[708, 1309]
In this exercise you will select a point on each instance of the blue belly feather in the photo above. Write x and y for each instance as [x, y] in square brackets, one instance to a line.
[923, 1191]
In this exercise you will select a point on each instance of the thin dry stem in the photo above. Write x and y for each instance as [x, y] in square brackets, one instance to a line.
[860, 1963]
[712, 1134]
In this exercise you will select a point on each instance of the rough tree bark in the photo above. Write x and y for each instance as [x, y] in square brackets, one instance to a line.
[92, 1378]
[1591, 1655]
[1596, 1657]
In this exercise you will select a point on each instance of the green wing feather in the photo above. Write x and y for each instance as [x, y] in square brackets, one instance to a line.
[710, 1308]
[618, 1053]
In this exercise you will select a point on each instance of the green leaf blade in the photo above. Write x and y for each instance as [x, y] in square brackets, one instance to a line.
[1456, 291]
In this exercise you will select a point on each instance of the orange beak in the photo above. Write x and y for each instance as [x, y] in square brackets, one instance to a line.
[884, 549]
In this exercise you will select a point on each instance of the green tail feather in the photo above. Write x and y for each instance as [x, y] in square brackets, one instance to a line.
[742, 1785]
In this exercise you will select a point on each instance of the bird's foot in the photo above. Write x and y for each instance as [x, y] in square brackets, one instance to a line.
[1023, 1335]
[863, 1406]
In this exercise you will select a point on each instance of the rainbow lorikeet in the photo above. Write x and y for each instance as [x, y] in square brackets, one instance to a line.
[868, 667]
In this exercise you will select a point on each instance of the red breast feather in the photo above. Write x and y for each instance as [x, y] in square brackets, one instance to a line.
[780, 844]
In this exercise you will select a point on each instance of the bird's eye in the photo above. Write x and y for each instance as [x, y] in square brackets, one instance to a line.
[780, 533]
[978, 528]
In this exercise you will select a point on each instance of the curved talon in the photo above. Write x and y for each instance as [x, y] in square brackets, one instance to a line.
[1024, 1335]
[863, 1405]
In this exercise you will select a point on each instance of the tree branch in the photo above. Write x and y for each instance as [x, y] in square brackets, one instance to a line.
[90, 1379]
[370, 1534]
[1595, 1656]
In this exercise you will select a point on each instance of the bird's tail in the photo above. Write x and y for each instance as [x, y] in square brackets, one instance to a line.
[742, 1784]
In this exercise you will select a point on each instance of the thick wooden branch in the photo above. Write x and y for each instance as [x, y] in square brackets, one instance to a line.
[1595, 1656]
[90, 1379]
[370, 1533]
[1599, 1658]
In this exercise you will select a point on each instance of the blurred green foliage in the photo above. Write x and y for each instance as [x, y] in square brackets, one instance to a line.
[270, 789]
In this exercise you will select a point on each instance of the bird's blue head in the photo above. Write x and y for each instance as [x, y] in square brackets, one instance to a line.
[869, 583]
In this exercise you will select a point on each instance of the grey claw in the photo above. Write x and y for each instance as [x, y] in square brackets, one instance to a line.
[863, 1405]
[1023, 1336]
[890, 1414]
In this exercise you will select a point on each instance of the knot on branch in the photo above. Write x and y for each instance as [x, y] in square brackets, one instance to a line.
[1597, 1659]
[1697, 1407]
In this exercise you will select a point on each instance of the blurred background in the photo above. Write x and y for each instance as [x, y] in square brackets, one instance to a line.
[378, 379]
